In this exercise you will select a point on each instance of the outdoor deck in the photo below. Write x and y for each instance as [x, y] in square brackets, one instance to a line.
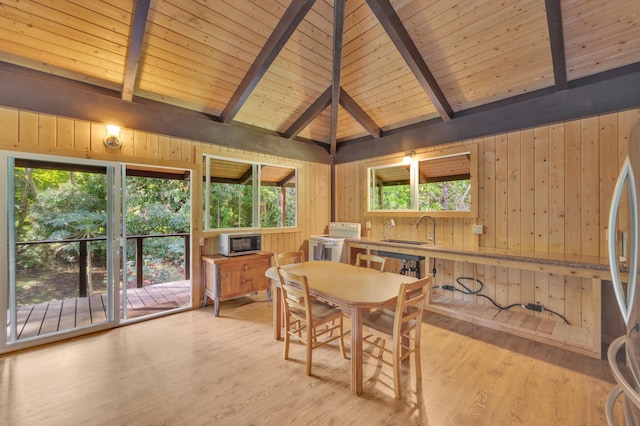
[59, 315]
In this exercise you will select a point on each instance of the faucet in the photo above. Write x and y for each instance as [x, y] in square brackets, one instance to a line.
[386, 222]
[433, 228]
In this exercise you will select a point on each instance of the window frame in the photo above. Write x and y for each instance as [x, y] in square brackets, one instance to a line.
[471, 150]
[256, 184]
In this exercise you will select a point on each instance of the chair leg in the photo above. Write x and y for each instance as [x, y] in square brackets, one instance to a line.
[396, 371]
[416, 355]
[287, 338]
[310, 339]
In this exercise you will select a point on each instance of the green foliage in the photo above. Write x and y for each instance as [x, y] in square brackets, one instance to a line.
[434, 196]
[444, 196]
[231, 206]
[271, 206]
[28, 182]
[157, 206]
[61, 205]
[396, 197]
[72, 205]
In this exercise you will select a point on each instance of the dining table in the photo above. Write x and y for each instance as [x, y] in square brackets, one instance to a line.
[351, 288]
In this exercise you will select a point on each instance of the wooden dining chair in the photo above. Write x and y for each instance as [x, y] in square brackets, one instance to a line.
[288, 257]
[310, 321]
[370, 261]
[401, 326]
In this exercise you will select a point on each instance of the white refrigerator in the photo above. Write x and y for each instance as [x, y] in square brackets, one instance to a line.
[623, 262]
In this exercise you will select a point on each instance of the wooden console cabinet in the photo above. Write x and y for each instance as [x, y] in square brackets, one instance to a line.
[230, 277]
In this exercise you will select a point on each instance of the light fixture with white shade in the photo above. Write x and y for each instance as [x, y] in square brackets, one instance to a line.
[112, 139]
[408, 156]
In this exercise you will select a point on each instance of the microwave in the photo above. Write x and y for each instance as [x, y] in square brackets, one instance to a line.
[236, 244]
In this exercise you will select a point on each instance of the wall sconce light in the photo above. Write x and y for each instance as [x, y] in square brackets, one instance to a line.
[112, 140]
[408, 156]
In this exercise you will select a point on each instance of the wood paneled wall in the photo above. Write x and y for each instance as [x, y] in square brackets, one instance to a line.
[25, 131]
[543, 190]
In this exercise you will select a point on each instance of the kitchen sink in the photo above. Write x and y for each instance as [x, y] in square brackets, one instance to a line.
[416, 243]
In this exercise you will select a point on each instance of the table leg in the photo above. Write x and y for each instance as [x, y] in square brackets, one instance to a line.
[356, 350]
[277, 312]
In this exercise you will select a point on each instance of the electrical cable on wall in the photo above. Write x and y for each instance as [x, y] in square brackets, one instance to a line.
[466, 290]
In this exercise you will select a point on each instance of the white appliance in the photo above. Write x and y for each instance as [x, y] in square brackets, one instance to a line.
[239, 243]
[331, 247]
[627, 375]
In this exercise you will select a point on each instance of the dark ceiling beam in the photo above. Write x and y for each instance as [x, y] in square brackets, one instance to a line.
[603, 93]
[75, 167]
[276, 41]
[37, 91]
[309, 115]
[287, 179]
[158, 175]
[51, 165]
[556, 39]
[246, 176]
[392, 24]
[136, 35]
[338, 27]
[359, 114]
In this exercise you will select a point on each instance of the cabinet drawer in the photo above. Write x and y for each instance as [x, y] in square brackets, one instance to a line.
[246, 265]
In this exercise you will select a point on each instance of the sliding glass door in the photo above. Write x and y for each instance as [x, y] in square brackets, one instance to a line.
[90, 245]
[63, 232]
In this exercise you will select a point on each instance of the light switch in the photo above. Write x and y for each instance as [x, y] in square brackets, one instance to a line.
[477, 229]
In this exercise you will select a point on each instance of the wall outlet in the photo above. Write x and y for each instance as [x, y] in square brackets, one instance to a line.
[368, 224]
[477, 229]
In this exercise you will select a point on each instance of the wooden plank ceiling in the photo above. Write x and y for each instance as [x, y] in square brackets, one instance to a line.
[332, 74]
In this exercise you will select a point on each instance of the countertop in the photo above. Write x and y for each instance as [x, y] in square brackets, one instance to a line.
[497, 256]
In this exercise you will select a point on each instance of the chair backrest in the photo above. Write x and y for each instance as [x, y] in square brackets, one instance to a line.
[288, 257]
[410, 306]
[295, 294]
[370, 261]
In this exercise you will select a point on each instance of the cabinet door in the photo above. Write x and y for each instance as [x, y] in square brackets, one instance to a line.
[244, 277]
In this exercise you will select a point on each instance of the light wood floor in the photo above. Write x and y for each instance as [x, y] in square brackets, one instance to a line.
[194, 369]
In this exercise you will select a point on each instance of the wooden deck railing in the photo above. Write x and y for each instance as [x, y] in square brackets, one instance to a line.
[139, 263]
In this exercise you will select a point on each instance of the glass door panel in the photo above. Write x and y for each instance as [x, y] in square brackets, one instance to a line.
[61, 233]
[158, 219]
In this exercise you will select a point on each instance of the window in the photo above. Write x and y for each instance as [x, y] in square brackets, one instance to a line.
[440, 182]
[390, 187]
[241, 194]
[445, 183]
